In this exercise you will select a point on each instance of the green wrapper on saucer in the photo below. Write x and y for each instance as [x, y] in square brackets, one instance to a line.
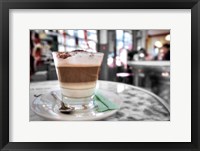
[103, 103]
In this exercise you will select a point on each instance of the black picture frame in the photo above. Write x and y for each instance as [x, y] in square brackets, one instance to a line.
[5, 5]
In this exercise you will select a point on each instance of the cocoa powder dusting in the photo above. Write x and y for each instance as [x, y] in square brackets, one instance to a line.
[63, 55]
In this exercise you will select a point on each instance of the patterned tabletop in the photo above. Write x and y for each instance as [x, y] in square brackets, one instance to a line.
[137, 104]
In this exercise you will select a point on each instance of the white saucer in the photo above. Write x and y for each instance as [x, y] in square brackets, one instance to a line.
[46, 106]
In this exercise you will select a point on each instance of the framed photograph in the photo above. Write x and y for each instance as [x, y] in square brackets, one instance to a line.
[99, 75]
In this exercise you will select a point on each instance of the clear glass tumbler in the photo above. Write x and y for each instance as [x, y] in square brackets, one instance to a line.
[77, 73]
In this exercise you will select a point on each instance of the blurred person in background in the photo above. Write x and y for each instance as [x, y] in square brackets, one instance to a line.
[47, 51]
[35, 51]
[164, 53]
[32, 69]
[131, 54]
[142, 54]
[37, 55]
[35, 38]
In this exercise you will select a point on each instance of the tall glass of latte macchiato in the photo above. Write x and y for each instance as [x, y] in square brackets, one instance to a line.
[77, 73]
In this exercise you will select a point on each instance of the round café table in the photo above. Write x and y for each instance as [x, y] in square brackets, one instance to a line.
[156, 66]
[159, 64]
[137, 104]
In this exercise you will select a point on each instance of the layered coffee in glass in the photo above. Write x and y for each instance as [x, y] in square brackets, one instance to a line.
[77, 73]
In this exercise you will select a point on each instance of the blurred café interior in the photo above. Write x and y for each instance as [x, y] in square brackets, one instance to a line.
[135, 57]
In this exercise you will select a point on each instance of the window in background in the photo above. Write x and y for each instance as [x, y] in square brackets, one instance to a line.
[70, 32]
[80, 34]
[119, 40]
[82, 43]
[60, 39]
[73, 39]
[92, 35]
[128, 40]
[70, 42]
[67, 40]
[123, 44]
[61, 48]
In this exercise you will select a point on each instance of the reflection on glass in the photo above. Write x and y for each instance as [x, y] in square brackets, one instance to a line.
[120, 88]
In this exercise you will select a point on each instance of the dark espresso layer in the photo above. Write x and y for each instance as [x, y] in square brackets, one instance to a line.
[78, 74]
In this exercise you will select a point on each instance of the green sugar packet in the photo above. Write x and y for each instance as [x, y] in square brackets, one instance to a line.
[103, 103]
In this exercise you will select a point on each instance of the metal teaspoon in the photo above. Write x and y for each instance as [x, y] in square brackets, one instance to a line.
[63, 108]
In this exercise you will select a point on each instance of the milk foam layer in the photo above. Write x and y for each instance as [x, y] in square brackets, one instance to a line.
[72, 93]
[80, 85]
[78, 90]
[78, 59]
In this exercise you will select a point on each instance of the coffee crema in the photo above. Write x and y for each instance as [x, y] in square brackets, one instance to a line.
[74, 74]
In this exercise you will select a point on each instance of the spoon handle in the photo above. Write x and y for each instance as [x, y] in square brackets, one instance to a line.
[53, 93]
